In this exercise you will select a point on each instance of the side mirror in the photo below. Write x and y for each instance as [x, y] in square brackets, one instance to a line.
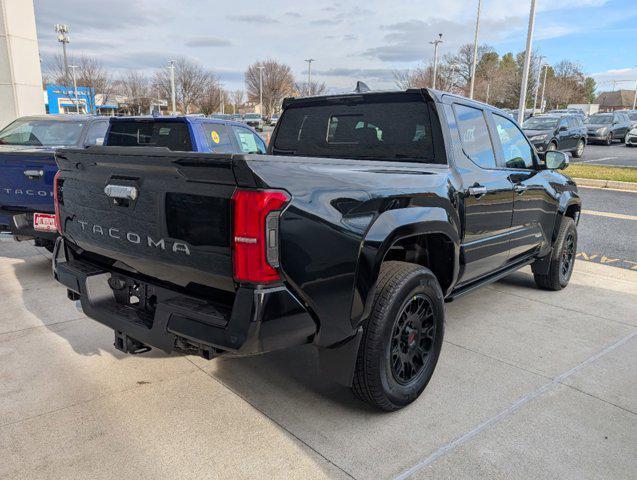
[556, 160]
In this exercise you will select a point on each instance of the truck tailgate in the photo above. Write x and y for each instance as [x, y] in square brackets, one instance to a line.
[162, 215]
[26, 179]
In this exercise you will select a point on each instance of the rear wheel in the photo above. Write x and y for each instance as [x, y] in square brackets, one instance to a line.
[402, 337]
[551, 147]
[562, 258]
[579, 149]
[609, 139]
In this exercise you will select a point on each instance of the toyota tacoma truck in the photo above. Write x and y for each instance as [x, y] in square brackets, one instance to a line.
[367, 213]
[27, 165]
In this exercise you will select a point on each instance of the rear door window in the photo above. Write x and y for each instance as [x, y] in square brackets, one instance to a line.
[96, 133]
[172, 135]
[382, 129]
[218, 137]
[248, 142]
[474, 135]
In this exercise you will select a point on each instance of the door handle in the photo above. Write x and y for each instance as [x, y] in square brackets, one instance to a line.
[520, 189]
[477, 191]
[33, 174]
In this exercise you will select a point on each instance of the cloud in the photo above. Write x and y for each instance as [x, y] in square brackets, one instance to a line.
[293, 14]
[253, 18]
[378, 74]
[324, 21]
[208, 42]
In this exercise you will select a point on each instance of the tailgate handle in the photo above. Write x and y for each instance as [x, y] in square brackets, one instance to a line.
[121, 191]
[33, 174]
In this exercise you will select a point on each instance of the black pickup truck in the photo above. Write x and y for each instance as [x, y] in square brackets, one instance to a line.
[367, 214]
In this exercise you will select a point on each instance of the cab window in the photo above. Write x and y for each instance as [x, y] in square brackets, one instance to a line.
[248, 142]
[218, 137]
[474, 135]
[517, 151]
[96, 133]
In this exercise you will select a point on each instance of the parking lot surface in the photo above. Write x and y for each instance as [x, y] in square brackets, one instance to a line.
[530, 384]
[615, 155]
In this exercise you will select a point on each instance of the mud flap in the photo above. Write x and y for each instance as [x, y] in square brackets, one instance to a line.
[339, 361]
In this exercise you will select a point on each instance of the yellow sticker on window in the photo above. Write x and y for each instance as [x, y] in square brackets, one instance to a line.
[215, 136]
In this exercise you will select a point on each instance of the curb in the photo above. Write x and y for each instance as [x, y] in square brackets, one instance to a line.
[591, 182]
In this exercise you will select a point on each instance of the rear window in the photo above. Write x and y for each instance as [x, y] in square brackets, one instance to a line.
[172, 135]
[50, 133]
[388, 130]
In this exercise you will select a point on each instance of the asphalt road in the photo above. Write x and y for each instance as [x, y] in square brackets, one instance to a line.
[608, 227]
[616, 155]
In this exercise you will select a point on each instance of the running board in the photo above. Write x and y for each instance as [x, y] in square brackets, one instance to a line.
[489, 279]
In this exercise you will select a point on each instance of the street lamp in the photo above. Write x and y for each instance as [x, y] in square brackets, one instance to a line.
[171, 66]
[261, 67]
[63, 38]
[435, 43]
[309, 75]
[475, 52]
[527, 64]
[77, 101]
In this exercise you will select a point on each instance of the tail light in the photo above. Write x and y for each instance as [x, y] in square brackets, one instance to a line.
[256, 234]
[57, 199]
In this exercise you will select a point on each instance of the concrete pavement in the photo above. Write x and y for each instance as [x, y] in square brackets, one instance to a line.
[615, 155]
[530, 384]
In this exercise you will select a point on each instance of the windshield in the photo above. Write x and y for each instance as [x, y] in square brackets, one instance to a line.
[42, 133]
[386, 130]
[599, 119]
[539, 123]
[252, 115]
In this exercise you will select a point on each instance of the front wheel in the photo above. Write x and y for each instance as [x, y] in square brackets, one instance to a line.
[552, 147]
[402, 337]
[562, 258]
[579, 149]
[609, 139]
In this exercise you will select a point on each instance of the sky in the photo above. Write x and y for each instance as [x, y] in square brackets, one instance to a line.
[349, 40]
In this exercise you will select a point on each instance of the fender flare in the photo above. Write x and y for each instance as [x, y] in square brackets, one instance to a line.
[389, 227]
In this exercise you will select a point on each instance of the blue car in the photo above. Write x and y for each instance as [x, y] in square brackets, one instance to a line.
[27, 165]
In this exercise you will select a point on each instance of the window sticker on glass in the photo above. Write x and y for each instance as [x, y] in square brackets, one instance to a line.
[247, 141]
[215, 136]
[163, 131]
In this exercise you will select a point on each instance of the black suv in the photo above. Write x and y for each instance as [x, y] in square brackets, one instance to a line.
[606, 127]
[556, 132]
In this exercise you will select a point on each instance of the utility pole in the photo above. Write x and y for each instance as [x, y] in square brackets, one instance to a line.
[635, 97]
[63, 38]
[309, 75]
[527, 64]
[171, 66]
[475, 52]
[537, 83]
[77, 101]
[435, 43]
[546, 71]
[261, 67]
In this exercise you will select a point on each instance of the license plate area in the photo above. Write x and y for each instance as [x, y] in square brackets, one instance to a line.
[44, 222]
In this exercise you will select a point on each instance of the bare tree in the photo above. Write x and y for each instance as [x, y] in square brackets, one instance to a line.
[237, 100]
[138, 90]
[278, 83]
[310, 90]
[212, 99]
[192, 82]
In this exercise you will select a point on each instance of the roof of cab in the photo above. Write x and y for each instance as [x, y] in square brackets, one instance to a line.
[175, 118]
[70, 117]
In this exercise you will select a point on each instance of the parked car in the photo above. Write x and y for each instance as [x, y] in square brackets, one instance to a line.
[27, 165]
[27, 168]
[632, 116]
[254, 120]
[631, 138]
[556, 132]
[274, 119]
[371, 210]
[606, 127]
[568, 111]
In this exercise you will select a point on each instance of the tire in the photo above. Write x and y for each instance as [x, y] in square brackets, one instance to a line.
[562, 258]
[400, 347]
[579, 149]
[551, 147]
[609, 139]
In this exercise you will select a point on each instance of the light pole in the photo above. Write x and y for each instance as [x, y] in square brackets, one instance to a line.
[63, 38]
[77, 101]
[309, 75]
[527, 64]
[475, 52]
[546, 71]
[435, 43]
[171, 66]
[261, 89]
[635, 97]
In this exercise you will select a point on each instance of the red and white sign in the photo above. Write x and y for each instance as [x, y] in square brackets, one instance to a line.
[44, 222]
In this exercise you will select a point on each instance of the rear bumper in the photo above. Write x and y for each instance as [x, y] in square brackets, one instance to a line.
[22, 227]
[260, 319]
